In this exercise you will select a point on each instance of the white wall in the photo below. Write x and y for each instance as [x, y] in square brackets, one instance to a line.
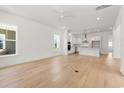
[119, 34]
[116, 37]
[116, 42]
[35, 40]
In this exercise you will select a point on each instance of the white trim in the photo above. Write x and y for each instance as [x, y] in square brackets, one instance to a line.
[8, 55]
[10, 40]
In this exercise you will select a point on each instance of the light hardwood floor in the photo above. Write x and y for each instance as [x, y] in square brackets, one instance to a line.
[59, 72]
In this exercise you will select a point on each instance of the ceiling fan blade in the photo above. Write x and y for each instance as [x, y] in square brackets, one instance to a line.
[102, 7]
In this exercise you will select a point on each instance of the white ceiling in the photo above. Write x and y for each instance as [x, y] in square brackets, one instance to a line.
[83, 16]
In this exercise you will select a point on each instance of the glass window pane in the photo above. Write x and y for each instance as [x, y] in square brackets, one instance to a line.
[2, 31]
[56, 41]
[11, 47]
[11, 35]
[110, 44]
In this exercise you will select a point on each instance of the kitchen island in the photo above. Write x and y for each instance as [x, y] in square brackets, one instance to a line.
[89, 51]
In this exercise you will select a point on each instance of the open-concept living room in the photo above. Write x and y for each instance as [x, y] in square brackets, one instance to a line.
[61, 46]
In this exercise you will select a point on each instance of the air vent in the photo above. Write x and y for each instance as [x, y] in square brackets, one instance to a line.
[102, 7]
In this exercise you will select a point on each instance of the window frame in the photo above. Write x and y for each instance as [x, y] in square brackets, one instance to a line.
[15, 29]
[56, 40]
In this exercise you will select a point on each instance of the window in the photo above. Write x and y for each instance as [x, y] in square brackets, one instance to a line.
[2, 41]
[7, 39]
[110, 44]
[56, 41]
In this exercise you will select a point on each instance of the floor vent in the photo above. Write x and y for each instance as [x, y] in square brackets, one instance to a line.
[76, 71]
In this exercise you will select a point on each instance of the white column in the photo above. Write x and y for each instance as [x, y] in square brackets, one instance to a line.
[116, 41]
[122, 40]
[65, 40]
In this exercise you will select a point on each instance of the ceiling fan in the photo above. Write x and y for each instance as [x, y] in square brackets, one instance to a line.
[102, 7]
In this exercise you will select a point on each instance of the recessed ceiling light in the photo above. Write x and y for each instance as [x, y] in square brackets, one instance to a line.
[98, 18]
[64, 27]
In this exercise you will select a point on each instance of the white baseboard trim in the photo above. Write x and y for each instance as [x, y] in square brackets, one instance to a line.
[29, 60]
